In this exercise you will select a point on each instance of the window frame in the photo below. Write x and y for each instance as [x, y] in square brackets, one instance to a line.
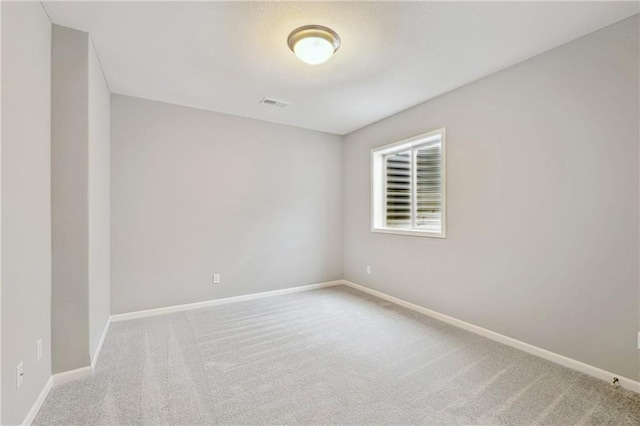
[379, 183]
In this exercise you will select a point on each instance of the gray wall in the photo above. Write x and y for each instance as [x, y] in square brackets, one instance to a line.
[26, 209]
[99, 200]
[196, 193]
[69, 185]
[542, 238]
[80, 199]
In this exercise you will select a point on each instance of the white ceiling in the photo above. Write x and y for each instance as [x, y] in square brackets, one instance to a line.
[226, 56]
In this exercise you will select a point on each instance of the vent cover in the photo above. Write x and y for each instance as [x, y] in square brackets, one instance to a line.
[273, 103]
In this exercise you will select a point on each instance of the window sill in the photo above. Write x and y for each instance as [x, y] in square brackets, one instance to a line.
[409, 232]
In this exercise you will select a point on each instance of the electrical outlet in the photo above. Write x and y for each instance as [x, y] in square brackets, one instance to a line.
[216, 278]
[19, 375]
[39, 350]
[368, 269]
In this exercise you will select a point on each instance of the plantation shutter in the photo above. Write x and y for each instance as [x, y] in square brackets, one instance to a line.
[398, 190]
[429, 187]
[408, 186]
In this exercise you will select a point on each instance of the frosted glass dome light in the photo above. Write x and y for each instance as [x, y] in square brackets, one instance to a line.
[313, 50]
[313, 44]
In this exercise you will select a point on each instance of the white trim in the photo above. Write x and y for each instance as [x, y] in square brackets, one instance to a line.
[96, 355]
[411, 142]
[70, 376]
[216, 302]
[66, 377]
[409, 232]
[526, 347]
[31, 415]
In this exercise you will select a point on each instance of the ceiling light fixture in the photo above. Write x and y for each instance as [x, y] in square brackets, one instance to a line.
[313, 44]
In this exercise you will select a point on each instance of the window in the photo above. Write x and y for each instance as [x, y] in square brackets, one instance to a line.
[408, 186]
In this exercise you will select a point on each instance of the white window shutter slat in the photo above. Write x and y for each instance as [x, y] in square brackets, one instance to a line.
[398, 184]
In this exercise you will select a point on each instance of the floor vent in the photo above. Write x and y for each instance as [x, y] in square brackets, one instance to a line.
[273, 103]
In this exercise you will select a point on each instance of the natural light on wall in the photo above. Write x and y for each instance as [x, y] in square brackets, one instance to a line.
[408, 186]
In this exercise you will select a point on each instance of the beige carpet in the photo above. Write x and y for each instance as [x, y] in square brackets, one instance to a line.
[330, 356]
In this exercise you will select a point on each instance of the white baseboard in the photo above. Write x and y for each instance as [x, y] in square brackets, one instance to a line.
[526, 347]
[31, 415]
[70, 376]
[81, 373]
[216, 302]
[66, 377]
[96, 355]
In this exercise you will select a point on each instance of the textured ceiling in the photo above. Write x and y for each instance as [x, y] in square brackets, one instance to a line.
[226, 56]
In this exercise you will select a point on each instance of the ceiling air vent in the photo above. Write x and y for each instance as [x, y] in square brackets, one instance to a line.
[273, 103]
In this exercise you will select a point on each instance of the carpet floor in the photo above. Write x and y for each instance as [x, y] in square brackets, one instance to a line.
[329, 356]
